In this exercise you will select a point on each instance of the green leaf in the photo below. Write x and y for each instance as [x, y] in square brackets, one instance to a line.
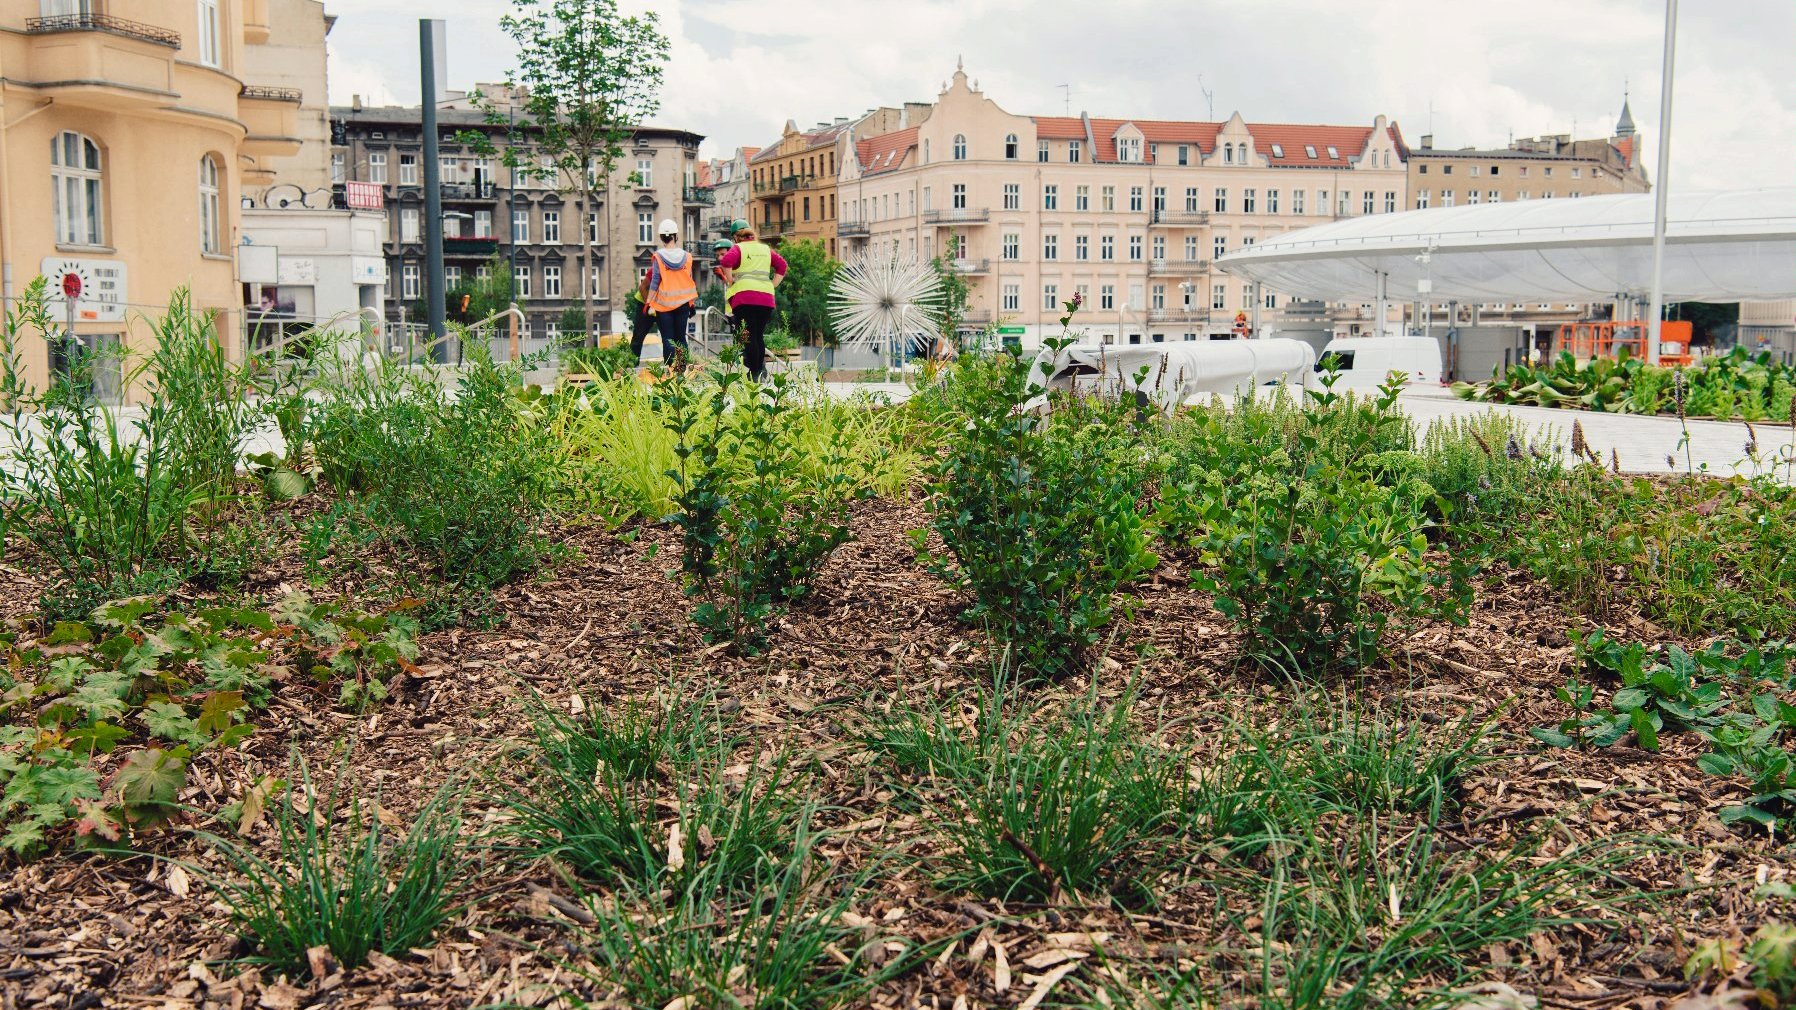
[69, 633]
[67, 785]
[151, 777]
[285, 485]
[216, 712]
[1717, 764]
[1745, 812]
[169, 721]
[1630, 699]
[98, 738]
[1552, 737]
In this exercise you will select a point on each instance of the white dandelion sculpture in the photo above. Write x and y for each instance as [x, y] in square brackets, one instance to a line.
[887, 302]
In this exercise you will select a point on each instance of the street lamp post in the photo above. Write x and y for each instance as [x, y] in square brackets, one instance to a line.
[1658, 294]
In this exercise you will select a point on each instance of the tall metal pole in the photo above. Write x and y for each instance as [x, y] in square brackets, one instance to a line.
[1659, 185]
[433, 190]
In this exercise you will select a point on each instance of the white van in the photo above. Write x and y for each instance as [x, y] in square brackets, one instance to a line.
[1363, 362]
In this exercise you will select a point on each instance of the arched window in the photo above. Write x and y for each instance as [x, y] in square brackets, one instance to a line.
[75, 189]
[925, 151]
[1010, 147]
[960, 147]
[1228, 154]
[1241, 153]
[209, 206]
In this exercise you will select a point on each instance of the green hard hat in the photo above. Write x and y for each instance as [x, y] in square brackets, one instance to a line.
[722, 245]
[739, 225]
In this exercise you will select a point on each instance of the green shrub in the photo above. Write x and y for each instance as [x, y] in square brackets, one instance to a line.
[1040, 518]
[456, 487]
[757, 520]
[350, 885]
[1477, 466]
[602, 363]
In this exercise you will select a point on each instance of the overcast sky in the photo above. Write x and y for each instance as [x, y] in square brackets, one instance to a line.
[1478, 73]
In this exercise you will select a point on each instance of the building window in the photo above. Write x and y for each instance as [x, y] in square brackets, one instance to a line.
[1368, 203]
[1577, 173]
[1278, 150]
[552, 227]
[958, 195]
[1107, 296]
[1271, 301]
[1159, 199]
[451, 276]
[1490, 197]
[1082, 198]
[1107, 247]
[1192, 200]
[1190, 248]
[1333, 155]
[408, 281]
[1050, 296]
[1474, 171]
[1422, 199]
[1109, 198]
[1050, 247]
[520, 226]
[645, 228]
[1128, 149]
[1342, 210]
[645, 173]
[1390, 201]
[408, 170]
[807, 209]
[1184, 154]
[1446, 198]
[1248, 199]
[1073, 150]
[1135, 199]
[1012, 246]
[960, 147]
[1050, 198]
[209, 206]
[1041, 150]
[1135, 248]
[1296, 201]
[1471, 197]
[1228, 154]
[408, 224]
[1221, 245]
[1222, 200]
[520, 280]
[339, 166]
[1013, 198]
[1159, 247]
[1013, 297]
[552, 330]
[551, 282]
[1081, 247]
[1159, 297]
[377, 168]
[1010, 147]
[1219, 296]
[483, 224]
[1309, 151]
[1322, 201]
[208, 32]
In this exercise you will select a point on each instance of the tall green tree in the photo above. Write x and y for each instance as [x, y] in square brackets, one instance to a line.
[804, 294]
[953, 310]
[592, 75]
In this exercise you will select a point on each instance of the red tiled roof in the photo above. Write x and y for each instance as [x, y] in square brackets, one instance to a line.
[1626, 146]
[1059, 128]
[1348, 141]
[886, 152]
[1295, 140]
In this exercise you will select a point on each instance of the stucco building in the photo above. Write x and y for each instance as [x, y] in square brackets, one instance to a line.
[794, 179]
[127, 132]
[537, 227]
[1128, 213]
[731, 192]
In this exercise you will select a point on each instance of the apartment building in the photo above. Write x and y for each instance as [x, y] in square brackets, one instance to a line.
[731, 191]
[127, 135]
[1130, 214]
[1534, 168]
[794, 179]
[538, 227]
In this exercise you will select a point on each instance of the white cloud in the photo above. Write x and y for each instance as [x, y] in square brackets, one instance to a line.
[741, 68]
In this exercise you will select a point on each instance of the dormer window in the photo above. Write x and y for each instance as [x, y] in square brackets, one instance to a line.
[1128, 149]
[1310, 149]
[1278, 150]
[1333, 154]
[1228, 154]
[1072, 151]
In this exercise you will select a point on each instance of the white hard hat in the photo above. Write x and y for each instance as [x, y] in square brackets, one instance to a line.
[668, 227]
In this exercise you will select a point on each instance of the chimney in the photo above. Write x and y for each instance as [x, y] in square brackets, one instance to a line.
[1427, 140]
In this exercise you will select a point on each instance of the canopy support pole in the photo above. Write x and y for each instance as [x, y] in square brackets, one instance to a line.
[1659, 185]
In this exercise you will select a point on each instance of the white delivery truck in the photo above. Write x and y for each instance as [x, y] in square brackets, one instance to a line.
[1363, 362]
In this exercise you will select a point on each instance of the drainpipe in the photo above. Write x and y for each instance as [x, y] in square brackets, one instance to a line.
[6, 290]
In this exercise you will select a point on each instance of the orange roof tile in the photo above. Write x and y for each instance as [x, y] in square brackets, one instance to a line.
[886, 152]
[1348, 141]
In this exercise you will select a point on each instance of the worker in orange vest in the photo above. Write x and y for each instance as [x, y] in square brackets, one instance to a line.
[670, 290]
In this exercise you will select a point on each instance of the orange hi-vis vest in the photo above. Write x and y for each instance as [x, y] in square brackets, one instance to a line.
[676, 287]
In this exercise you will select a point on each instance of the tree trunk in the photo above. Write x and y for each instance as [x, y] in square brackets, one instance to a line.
[588, 338]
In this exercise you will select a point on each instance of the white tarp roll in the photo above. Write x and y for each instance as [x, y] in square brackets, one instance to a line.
[1170, 374]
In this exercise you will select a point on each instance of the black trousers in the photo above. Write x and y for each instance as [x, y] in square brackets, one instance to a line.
[672, 324]
[754, 319]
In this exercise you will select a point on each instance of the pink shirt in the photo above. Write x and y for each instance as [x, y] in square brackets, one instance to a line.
[733, 259]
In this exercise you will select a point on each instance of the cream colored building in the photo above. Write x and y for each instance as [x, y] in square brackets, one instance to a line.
[1130, 214]
[126, 133]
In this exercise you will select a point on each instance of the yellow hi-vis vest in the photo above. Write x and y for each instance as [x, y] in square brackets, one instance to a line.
[755, 272]
[676, 286]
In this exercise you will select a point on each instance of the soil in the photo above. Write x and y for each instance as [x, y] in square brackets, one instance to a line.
[78, 930]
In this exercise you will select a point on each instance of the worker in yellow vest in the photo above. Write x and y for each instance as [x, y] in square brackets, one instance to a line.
[752, 270]
[670, 290]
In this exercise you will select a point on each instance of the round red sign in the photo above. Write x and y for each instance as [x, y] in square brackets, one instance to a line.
[71, 284]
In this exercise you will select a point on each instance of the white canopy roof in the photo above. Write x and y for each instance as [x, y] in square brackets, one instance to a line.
[1721, 247]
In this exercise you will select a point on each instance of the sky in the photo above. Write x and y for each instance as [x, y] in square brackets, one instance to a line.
[1473, 74]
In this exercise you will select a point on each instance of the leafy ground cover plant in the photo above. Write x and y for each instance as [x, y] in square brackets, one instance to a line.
[1736, 384]
[757, 521]
[1041, 519]
[455, 488]
[341, 879]
[102, 718]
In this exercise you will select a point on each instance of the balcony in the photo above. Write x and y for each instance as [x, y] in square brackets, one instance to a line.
[701, 196]
[1181, 218]
[1178, 316]
[464, 192]
[979, 316]
[103, 23]
[719, 223]
[958, 215]
[458, 247]
[1177, 268]
[779, 229]
[970, 267]
[271, 116]
[854, 229]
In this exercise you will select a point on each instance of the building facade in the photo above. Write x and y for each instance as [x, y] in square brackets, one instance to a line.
[535, 228]
[731, 192]
[1129, 214]
[794, 180]
[126, 134]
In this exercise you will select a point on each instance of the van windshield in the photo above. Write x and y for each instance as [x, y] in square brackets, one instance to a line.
[1339, 360]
